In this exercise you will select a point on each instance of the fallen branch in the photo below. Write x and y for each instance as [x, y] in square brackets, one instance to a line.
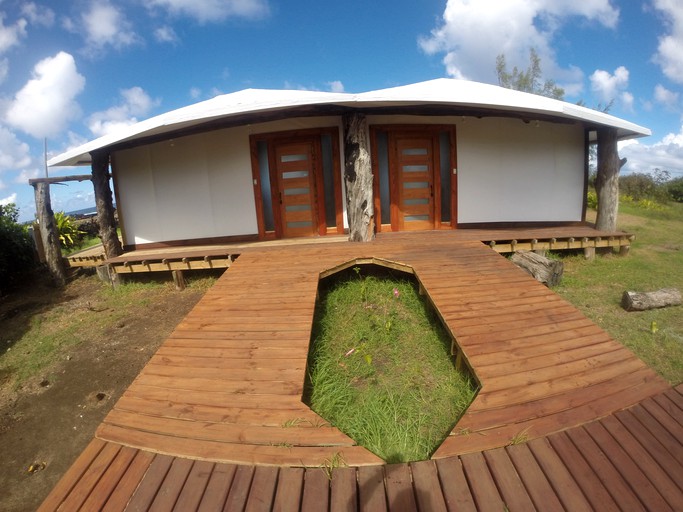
[642, 301]
[544, 270]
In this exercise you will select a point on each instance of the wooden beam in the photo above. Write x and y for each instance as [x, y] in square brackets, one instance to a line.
[358, 178]
[105, 205]
[49, 234]
[61, 179]
[607, 180]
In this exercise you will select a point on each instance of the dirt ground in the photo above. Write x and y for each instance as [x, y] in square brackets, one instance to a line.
[48, 421]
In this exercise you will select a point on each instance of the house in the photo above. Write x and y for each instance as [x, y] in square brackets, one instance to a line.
[266, 164]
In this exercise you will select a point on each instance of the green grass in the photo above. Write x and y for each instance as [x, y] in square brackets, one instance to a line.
[380, 368]
[655, 261]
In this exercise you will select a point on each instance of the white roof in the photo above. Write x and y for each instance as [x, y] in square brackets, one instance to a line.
[442, 91]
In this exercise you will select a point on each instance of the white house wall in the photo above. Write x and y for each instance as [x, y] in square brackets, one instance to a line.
[511, 171]
[193, 187]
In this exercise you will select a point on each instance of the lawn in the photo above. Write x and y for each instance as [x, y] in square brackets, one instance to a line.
[655, 261]
[380, 367]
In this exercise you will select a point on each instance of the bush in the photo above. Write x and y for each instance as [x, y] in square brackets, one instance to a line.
[592, 199]
[675, 189]
[16, 247]
[69, 234]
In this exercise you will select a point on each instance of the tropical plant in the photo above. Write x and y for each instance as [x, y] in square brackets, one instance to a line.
[69, 234]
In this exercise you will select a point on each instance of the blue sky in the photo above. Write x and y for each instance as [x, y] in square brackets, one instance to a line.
[71, 71]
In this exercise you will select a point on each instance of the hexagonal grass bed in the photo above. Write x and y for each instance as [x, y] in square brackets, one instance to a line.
[381, 366]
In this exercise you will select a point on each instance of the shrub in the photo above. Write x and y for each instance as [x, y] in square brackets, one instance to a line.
[16, 247]
[675, 189]
[592, 199]
[69, 234]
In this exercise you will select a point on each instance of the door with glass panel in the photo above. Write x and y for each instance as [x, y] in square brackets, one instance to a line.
[295, 173]
[414, 181]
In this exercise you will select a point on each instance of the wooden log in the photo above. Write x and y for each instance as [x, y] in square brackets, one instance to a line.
[544, 270]
[105, 205]
[358, 179]
[607, 179]
[178, 279]
[641, 301]
[49, 234]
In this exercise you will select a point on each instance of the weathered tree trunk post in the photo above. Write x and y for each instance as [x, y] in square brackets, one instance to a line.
[607, 180]
[49, 234]
[358, 179]
[105, 208]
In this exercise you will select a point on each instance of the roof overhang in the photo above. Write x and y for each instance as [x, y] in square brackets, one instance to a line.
[442, 96]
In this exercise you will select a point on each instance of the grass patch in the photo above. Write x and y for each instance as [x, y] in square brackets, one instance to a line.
[380, 367]
[655, 261]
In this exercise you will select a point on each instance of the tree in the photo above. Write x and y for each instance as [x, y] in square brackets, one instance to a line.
[529, 80]
[16, 247]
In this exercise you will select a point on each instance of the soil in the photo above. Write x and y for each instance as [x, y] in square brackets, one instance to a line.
[46, 422]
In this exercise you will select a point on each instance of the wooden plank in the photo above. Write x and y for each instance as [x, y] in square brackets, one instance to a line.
[663, 419]
[216, 492]
[262, 490]
[454, 485]
[618, 488]
[240, 487]
[481, 483]
[371, 492]
[130, 480]
[647, 464]
[289, 487]
[665, 449]
[172, 485]
[507, 480]
[559, 476]
[535, 482]
[110, 479]
[583, 474]
[428, 493]
[627, 467]
[90, 477]
[195, 485]
[316, 492]
[70, 479]
[344, 490]
[399, 488]
[149, 486]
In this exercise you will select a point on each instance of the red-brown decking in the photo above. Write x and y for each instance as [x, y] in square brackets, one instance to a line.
[219, 403]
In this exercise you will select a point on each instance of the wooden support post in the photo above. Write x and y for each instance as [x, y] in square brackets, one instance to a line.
[624, 250]
[358, 179]
[178, 279]
[105, 210]
[607, 179]
[49, 234]
[589, 253]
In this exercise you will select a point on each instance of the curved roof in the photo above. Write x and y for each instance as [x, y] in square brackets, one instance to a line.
[446, 93]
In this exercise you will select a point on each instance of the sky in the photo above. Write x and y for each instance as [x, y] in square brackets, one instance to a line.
[72, 71]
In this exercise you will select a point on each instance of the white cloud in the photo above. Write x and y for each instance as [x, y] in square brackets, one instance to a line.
[11, 35]
[166, 34]
[666, 154]
[12, 198]
[4, 69]
[666, 97]
[610, 87]
[105, 25]
[14, 154]
[511, 27]
[214, 10]
[195, 93]
[136, 103]
[46, 103]
[25, 175]
[670, 50]
[38, 14]
[336, 86]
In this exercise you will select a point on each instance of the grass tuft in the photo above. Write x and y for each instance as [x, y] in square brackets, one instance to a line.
[380, 368]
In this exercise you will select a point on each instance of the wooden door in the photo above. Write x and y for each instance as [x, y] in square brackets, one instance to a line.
[414, 182]
[295, 175]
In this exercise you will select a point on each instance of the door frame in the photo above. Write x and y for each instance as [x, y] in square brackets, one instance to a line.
[414, 130]
[294, 136]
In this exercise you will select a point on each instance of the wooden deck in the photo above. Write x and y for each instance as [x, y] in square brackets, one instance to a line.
[216, 415]
[198, 257]
[627, 461]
